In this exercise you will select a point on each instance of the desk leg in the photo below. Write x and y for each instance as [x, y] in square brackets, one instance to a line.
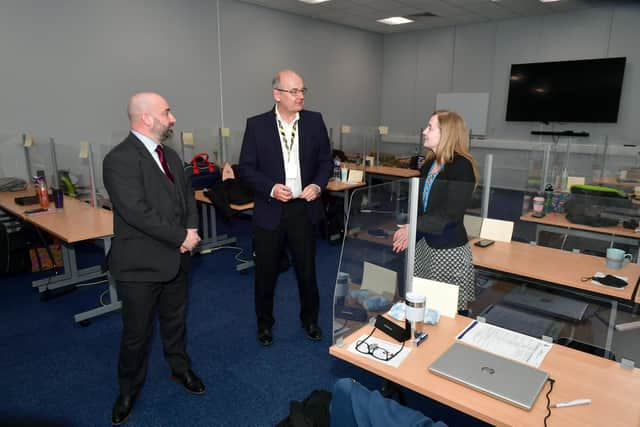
[114, 303]
[610, 328]
[72, 275]
[210, 238]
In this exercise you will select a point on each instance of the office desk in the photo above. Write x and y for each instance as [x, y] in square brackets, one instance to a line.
[554, 266]
[210, 238]
[612, 389]
[342, 189]
[75, 223]
[558, 223]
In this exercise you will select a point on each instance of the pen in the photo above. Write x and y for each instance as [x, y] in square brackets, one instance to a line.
[572, 403]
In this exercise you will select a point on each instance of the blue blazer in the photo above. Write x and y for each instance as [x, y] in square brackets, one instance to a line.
[262, 164]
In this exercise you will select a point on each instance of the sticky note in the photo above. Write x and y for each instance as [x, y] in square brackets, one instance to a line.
[345, 129]
[187, 138]
[28, 140]
[84, 150]
[226, 132]
[383, 130]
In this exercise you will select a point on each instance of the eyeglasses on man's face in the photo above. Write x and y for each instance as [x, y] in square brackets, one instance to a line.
[295, 91]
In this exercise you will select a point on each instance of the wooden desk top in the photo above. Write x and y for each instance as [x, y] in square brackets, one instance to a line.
[560, 220]
[554, 266]
[612, 389]
[204, 199]
[385, 170]
[76, 222]
[336, 185]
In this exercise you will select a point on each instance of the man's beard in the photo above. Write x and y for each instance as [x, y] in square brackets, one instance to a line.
[168, 133]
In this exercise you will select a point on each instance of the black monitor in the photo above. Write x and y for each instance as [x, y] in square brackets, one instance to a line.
[566, 91]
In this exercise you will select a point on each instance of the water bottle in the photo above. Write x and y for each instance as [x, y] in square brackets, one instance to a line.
[43, 193]
[548, 198]
[336, 169]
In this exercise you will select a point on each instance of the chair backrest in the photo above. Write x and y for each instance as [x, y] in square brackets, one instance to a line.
[496, 229]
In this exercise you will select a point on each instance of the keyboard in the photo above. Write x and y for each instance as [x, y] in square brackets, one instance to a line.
[30, 200]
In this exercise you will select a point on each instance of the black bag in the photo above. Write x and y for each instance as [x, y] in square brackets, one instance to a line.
[202, 173]
[311, 412]
[14, 249]
[587, 206]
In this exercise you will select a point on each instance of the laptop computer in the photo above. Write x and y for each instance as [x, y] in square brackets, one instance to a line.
[546, 303]
[488, 373]
[523, 322]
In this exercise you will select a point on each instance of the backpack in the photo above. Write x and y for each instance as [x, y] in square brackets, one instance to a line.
[311, 412]
[201, 172]
[14, 249]
[588, 203]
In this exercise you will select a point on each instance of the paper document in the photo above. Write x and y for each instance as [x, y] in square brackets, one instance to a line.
[440, 296]
[503, 342]
[355, 176]
[390, 347]
[379, 279]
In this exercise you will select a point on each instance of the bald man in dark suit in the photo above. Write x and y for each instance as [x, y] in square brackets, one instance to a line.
[155, 224]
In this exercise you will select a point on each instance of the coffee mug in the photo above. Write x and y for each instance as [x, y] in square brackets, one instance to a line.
[616, 257]
[538, 203]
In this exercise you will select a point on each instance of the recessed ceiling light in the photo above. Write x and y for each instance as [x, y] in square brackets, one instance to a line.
[395, 20]
[313, 1]
[548, 1]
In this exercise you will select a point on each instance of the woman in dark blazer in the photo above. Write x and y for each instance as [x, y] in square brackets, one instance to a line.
[448, 179]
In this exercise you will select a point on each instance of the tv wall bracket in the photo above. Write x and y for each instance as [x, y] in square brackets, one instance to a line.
[562, 133]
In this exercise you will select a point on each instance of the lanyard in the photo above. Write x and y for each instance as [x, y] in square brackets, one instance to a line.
[288, 145]
[426, 188]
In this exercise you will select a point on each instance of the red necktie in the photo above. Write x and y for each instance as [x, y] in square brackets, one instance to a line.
[163, 162]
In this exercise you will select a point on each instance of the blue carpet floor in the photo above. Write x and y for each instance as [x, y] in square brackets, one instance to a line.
[56, 373]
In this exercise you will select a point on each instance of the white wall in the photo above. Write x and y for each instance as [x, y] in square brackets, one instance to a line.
[477, 58]
[69, 66]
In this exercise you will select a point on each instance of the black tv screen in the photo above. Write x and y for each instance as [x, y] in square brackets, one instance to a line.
[566, 91]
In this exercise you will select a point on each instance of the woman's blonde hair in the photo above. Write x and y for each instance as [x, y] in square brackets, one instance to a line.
[454, 139]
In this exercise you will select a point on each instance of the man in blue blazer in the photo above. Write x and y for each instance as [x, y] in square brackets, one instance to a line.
[286, 157]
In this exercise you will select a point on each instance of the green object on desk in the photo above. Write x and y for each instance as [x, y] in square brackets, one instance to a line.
[586, 188]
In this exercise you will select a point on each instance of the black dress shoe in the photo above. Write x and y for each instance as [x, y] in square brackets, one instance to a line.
[265, 337]
[190, 381]
[313, 331]
[122, 409]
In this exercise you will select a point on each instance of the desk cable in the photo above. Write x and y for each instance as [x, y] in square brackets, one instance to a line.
[551, 382]
[237, 256]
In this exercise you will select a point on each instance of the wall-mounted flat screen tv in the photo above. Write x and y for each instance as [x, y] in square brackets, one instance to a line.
[566, 91]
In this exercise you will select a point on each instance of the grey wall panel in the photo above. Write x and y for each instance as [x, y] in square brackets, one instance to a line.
[624, 42]
[474, 58]
[434, 72]
[399, 82]
[483, 54]
[342, 67]
[69, 66]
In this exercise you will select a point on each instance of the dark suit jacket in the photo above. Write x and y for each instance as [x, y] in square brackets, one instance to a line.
[442, 225]
[150, 213]
[262, 164]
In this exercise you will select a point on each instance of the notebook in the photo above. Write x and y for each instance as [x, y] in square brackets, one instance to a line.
[547, 303]
[488, 373]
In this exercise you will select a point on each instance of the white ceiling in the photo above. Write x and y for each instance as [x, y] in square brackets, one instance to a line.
[363, 14]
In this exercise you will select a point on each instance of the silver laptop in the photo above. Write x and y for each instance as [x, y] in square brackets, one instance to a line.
[496, 376]
[547, 303]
